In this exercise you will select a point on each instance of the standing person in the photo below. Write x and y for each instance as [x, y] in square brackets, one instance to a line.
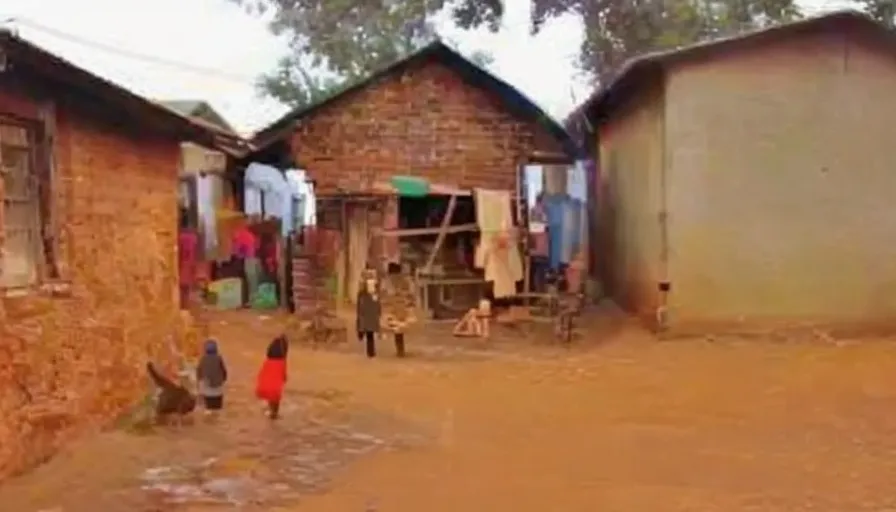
[368, 312]
[245, 249]
[272, 377]
[211, 374]
[187, 246]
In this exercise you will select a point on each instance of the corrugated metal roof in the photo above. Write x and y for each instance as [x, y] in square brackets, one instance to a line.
[198, 109]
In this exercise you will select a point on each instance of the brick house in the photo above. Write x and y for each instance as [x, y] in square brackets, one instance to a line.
[88, 239]
[747, 182]
[434, 115]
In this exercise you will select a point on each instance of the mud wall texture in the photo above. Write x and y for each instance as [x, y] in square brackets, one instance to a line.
[73, 347]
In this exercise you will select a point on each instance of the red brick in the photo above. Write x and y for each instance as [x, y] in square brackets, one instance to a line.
[426, 121]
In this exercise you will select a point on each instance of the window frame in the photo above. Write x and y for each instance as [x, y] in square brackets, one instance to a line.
[38, 200]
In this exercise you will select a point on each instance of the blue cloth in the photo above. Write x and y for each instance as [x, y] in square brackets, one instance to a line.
[572, 229]
[554, 207]
[577, 182]
[564, 228]
[211, 347]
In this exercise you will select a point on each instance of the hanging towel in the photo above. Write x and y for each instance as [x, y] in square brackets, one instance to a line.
[498, 251]
[263, 179]
[207, 207]
[572, 230]
[555, 208]
[577, 182]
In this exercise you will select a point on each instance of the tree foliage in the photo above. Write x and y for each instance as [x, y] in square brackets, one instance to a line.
[617, 30]
[350, 38]
[883, 11]
[334, 42]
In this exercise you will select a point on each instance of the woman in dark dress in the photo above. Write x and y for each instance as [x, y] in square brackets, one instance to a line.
[369, 311]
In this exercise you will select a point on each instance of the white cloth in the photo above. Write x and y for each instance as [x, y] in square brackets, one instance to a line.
[498, 251]
[207, 199]
[577, 182]
[302, 203]
[267, 185]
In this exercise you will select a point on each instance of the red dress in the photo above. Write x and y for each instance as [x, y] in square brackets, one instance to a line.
[187, 245]
[271, 379]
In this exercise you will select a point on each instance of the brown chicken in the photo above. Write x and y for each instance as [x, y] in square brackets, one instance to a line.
[174, 401]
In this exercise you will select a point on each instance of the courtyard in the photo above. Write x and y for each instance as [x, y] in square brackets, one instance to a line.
[620, 421]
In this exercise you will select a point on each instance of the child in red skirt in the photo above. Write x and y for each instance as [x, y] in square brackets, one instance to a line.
[272, 377]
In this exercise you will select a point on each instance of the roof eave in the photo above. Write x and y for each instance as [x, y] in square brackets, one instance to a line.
[58, 69]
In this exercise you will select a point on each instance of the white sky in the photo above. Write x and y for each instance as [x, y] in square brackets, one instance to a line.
[231, 48]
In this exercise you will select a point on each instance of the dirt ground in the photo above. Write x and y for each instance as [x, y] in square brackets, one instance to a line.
[619, 422]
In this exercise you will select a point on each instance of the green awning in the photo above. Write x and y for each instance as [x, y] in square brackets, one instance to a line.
[410, 186]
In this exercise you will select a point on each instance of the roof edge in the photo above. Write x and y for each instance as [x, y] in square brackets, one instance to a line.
[286, 123]
[79, 77]
[591, 109]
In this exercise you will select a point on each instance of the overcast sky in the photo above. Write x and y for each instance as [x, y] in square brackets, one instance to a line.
[211, 49]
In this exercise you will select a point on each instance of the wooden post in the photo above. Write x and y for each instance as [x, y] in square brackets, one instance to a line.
[442, 232]
[342, 281]
[523, 218]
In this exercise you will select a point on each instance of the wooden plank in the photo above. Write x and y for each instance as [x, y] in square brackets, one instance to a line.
[449, 281]
[545, 157]
[434, 189]
[446, 220]
[342, 267]
[460, 228]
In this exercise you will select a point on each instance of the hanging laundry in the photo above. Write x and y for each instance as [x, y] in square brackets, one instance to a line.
[251, 200]
[267, 191]
[577, 182]
[554, 207]
[498, 251]
[300, 205]
[565, 217]
[571, 234]
[208, 194]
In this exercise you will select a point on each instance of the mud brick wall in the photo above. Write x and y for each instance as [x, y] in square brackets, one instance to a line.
[73, 360]
[424, 121]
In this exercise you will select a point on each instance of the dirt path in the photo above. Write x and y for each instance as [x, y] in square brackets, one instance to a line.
[632, 425]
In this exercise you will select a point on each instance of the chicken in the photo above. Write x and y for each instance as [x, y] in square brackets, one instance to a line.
[174, 400]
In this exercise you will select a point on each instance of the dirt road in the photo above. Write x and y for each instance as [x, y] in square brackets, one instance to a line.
[631, 425]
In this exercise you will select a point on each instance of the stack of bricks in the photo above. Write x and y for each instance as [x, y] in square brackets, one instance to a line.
[311, 264]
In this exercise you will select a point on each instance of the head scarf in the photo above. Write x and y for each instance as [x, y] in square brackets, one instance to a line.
[211, 347]
[278, 348]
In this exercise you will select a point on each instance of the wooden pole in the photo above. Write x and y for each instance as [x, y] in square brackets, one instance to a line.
[446, 220]
[523, 218]
[460, 228]
[343, 282]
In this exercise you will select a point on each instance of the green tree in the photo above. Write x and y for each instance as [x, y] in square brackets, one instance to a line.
[617, 30]
[349, 38]
[883, 11]
[334, 43]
